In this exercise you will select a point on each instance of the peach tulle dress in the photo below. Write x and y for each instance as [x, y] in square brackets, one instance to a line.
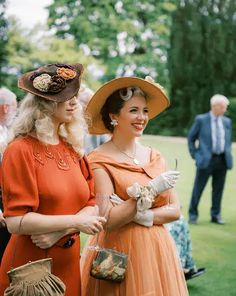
[49, 180]
[153, 268]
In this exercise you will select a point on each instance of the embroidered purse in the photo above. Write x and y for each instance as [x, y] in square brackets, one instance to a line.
[109, 265]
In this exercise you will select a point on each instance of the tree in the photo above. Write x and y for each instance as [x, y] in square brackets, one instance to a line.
[3, 40]
[130, 37]
[201, 58]
[30, 49]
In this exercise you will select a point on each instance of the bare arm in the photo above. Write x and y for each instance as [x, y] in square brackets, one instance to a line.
[46, 240]
[121, 214]
[34, 223]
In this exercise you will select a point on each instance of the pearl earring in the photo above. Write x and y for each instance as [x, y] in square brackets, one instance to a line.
[114, 122]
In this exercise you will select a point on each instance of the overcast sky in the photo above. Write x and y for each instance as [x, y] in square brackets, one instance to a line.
[29, 12]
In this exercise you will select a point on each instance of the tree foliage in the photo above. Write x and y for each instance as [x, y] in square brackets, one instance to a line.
[188, 46]
[26, 54]
[201, 58]
[130, 37]
[3, 40]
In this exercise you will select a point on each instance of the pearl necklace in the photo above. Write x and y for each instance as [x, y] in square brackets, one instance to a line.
[134, 159]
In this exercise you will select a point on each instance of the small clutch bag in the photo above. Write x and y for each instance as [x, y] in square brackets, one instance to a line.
[109, 265]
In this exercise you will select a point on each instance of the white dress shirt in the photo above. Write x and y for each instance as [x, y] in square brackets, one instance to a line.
[213, 133]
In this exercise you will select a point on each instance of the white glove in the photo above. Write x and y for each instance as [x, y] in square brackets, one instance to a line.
[115, 199]
[143, 194]
[144, 218]
[163, 182]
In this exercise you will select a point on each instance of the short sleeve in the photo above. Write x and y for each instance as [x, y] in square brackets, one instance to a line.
[94, 162]
[19, 183]
[88, 174]
[96, 165]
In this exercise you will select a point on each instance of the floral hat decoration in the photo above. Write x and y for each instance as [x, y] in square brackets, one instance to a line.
[157, 100]
[54, 82]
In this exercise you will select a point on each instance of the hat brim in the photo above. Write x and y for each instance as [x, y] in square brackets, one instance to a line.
[66, 94]
[157, 101]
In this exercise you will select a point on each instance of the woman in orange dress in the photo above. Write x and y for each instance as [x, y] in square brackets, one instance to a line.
[46, 179]
[123, 107]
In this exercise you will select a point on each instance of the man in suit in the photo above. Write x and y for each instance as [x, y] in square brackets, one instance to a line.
[8, 106]
[209, 143]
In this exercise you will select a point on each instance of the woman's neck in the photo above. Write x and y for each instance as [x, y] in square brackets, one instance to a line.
[55, 138]
[125, 144]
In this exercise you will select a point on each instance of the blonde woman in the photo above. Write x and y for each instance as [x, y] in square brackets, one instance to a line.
[46, 178]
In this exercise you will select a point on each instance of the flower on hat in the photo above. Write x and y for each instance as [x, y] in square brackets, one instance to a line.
[66, 73]
[42, 82]
[57, 84]
[151, 80]
[54, 80]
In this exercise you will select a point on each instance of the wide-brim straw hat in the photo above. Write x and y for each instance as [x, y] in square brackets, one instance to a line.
[157, 101]
[54, 82]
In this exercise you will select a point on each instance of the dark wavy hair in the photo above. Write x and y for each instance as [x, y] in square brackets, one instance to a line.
[113, 105]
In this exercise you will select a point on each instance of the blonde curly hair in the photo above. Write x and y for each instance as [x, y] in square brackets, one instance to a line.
[35, 115]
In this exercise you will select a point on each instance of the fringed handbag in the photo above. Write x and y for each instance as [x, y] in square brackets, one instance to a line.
[34, 279]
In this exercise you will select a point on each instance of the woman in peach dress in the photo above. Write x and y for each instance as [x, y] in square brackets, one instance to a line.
[123, 107]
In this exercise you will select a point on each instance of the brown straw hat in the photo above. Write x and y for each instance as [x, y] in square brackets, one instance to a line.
[157, 100]
[54, 82]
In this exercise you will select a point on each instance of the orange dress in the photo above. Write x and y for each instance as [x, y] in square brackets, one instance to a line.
[153, 268]
[50, 180]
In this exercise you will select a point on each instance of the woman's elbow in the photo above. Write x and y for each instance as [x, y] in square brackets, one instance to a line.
[11, 229]
[176, 214]
[12, 226]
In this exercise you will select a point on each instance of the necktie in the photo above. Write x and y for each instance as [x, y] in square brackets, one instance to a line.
[218, 137]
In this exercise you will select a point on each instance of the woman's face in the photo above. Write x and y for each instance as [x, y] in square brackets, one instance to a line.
[133, 116]
[64, 111]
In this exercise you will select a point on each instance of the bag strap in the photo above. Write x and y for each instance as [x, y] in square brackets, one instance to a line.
[16, 243]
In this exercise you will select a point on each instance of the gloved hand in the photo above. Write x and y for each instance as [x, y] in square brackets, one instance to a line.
[163, 182]
[144, 218]
[115, 199]
[143, 194]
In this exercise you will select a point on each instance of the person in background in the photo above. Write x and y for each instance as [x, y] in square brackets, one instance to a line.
[48, 193]
[212, 131]
[179, 230]
[91, 141]
[135, 191]
[8, 105]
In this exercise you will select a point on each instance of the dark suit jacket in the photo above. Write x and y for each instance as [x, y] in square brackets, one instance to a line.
[201, 132]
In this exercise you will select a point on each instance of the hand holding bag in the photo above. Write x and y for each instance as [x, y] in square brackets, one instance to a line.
[34, 279]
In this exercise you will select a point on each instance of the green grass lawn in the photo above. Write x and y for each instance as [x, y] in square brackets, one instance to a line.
[214, 246]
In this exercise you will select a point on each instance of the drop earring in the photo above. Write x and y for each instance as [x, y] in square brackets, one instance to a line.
[114, 122]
